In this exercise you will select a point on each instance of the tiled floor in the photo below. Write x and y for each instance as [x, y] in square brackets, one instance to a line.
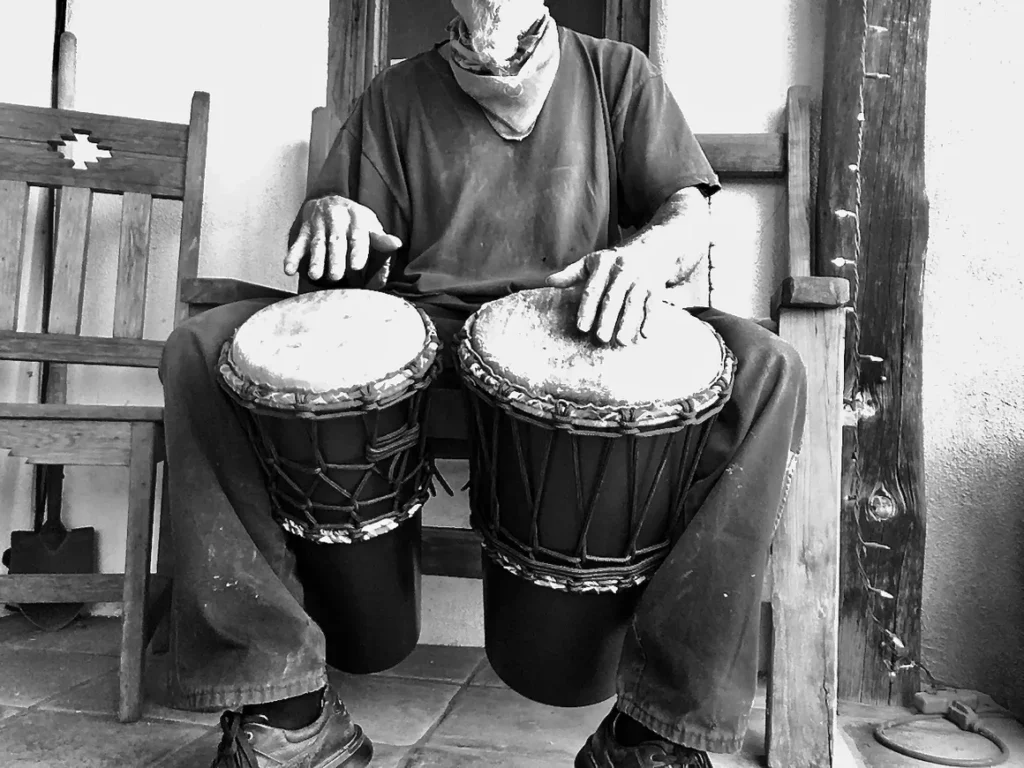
[441, 708]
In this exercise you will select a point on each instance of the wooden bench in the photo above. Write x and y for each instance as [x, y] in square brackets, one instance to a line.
[803, 583]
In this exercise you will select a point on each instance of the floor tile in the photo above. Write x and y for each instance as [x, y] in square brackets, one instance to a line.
[387, 756]
[499, 718]
[40, 739]
[445, 663]
[30, 676]
[97, 635]
[393, 710]
[14, 626]
[450, 511]
[488, 677]
[100, 697]
[431, 757]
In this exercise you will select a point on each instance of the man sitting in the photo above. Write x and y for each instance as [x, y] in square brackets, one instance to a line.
[508, 157]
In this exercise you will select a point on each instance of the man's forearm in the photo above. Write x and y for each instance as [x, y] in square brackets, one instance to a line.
[679, 230]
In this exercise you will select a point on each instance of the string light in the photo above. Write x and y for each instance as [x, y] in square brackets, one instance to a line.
[896, 656]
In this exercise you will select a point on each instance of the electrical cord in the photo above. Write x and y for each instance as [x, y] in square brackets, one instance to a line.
[965, 718]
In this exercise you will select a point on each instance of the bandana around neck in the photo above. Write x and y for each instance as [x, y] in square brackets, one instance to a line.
[510, 102]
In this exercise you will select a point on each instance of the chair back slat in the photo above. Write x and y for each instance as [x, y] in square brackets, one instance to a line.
[132, 265]
[192, 200]
[60, 147]
[798, 179]
[71, 244]
[13, 225]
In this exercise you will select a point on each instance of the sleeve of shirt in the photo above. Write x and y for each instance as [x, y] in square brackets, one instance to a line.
[657, 153]
[363, 166]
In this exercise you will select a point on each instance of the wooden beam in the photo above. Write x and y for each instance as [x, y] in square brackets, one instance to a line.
[357, 49]
[91, 350]
[629, 21]
[873, 126]
[805, 559]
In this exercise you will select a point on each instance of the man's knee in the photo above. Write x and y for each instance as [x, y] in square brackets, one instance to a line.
[198, 340]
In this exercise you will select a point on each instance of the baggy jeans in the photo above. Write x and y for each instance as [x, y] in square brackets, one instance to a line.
[238, 631]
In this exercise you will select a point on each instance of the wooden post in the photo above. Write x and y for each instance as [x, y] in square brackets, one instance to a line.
[872, 225]
[628, 21]
[357, 49]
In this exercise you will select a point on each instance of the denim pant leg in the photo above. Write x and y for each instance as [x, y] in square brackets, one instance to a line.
[239, 633]
[689, 664]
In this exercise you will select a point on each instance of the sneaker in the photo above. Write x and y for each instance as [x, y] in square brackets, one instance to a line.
[603, 751]
[331, 741]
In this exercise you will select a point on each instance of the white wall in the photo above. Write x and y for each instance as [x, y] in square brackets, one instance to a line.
[729, 65]
[26, 42]
[974, 354]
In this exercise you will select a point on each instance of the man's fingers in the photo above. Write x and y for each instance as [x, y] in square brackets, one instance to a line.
[632, 317]
[358, 248]
[317, 247]
[590, 301]
[571, 275]
[612, 305]
[383, 242]
[297, 251]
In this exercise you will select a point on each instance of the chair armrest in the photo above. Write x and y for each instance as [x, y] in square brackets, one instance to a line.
[90, 350]
[214, 291]
[811, 293]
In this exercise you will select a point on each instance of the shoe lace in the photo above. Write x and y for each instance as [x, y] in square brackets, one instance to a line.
[234, 751]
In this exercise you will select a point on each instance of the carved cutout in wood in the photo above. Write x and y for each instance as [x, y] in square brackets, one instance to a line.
[81, 150]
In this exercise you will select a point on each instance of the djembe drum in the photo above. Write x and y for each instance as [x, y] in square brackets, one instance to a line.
[331, 390]
[581, 456]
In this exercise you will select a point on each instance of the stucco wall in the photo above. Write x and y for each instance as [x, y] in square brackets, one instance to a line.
[973, 352]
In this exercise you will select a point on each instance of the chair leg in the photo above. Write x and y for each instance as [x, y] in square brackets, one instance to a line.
[160, 614]
[138, 551]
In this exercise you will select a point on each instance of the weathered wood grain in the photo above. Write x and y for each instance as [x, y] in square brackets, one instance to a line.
[138, 551]
[805, 559]
[24, 123]
[75, 412]
[214, 291]
[356, 51]
[13, 226]
[798, 179]
[59, 588]
[192, 201]
[811, 293]
[629, 21]
[132, 266]
[66, 348]
[883, 467]
[745, 155]
[158, 175]
[74, 443]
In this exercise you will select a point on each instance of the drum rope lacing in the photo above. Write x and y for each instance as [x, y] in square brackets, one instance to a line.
[582, 571]
[293, 484]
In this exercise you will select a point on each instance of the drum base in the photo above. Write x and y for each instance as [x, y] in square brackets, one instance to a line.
[554, 647]
[365, 597]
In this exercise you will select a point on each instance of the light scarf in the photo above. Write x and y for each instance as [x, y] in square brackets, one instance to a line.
[512, 102]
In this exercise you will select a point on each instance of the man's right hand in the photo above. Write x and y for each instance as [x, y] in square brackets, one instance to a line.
[337, 233]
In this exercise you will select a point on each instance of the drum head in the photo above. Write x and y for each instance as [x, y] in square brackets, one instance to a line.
[525, 350]
[341, 347]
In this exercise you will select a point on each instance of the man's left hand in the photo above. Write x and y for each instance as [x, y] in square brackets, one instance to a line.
[618, 283]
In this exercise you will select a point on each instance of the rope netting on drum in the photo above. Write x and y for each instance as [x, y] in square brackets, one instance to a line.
[371, 494]
[579, 569]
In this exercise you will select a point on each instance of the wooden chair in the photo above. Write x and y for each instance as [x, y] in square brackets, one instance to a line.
[139, 160]
[802, 589]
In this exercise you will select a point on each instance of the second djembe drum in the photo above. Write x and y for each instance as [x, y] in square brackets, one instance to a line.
[581, 457]
[331, 387]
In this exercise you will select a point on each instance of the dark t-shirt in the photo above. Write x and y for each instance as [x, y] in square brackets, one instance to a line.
[480, 216]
